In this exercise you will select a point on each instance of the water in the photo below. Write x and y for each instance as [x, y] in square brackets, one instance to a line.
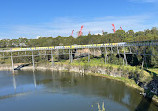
[56, 91]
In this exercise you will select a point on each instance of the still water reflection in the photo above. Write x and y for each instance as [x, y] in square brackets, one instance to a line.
[56, 91]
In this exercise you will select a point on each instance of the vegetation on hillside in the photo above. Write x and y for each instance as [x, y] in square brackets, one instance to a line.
[118, 36]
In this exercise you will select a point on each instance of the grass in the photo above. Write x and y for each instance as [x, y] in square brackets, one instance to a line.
[93, 62]
[5, 61]
[144, 75]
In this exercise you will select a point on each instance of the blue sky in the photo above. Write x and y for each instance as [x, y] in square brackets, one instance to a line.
[33, 18]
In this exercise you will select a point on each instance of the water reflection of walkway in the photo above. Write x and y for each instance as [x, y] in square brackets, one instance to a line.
[18, 86]
[34, 79]
[15, 84]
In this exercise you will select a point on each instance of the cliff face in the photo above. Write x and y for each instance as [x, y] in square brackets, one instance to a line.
[84, 52]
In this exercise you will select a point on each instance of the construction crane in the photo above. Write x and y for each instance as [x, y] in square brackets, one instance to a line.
[80, 32]
[121, 28]
[72, 32]
[113, 28]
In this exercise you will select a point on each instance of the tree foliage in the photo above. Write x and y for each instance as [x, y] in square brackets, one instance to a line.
[118, 36]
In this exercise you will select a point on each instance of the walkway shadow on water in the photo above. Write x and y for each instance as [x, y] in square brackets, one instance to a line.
[150, 90]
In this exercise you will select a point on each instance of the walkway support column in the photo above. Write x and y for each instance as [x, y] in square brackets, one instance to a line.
[94, 52]
[111, 52]
[144, 59]
[130, 50]
[33, 62]
[12, 62]
[143, 63]
[112, 49]
[105, 54]
[52, 57]
[71, 57]
[118, 52]
[46, 55]
[125, 59]
[88, 55]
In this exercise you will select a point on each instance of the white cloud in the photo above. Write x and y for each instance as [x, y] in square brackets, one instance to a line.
[64, 26]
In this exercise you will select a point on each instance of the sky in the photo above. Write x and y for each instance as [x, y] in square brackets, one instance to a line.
[52, 18]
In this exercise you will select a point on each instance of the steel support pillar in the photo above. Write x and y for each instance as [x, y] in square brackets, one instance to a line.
[33, 62]
[46, 55]
[52, 57]
[144, 59]
[118, 52]
[105, 55]
[94, 52]
[71, 57]
[125, 59]
[112, 50]
[88, 55]
[12, 62]
[130, 50]
[143, 63]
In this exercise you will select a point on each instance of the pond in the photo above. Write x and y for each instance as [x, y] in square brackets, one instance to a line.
[64, 91]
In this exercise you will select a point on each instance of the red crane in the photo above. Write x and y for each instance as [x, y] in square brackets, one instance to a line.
[80, 32]
[72, 32]
[121, 28]
[113, 28]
